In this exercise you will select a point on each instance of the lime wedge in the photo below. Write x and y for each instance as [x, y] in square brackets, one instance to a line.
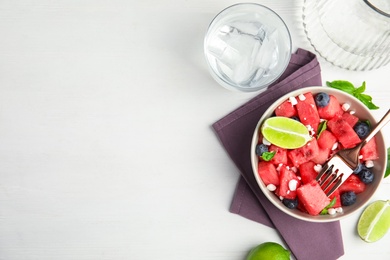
[285, 132]
[374, 221]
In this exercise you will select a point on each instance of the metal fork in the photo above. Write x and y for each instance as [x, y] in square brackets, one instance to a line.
[344, 162]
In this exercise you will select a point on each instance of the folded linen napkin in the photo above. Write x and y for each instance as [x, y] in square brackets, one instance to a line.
[306, 240]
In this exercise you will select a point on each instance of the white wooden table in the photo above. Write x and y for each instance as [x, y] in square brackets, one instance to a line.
[106, 149]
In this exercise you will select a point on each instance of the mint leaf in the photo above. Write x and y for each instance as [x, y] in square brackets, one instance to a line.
[366, 100]
[349, 88]
[361, 89]
[331, 204]
[343, 85]
[267, 156]
[321, 128]
[387, 173]
[364, 96]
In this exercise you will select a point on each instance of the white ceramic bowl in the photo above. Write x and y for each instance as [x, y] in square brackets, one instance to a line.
[379, 165]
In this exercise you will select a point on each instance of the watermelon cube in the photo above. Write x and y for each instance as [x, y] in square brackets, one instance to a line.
[322, 157]
[286, 109]
[326, 140]
[312, 197]
[285, 176]
[268, 173]
[304, 154]
[351, 119]
[343, 132]
[336, 194]
[280, 156]
[370, 150]
[333, 109]
[301, 207]
[307, 172]
[307, 111]
[353, 183]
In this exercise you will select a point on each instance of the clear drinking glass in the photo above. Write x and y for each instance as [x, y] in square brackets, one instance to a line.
[247, 47]
[352, 34]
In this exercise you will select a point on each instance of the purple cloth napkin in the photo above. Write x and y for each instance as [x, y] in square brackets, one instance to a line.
[306, 240]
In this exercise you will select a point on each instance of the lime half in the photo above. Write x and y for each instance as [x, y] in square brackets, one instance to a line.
[285, 132]
[374, 221]
[269, 251]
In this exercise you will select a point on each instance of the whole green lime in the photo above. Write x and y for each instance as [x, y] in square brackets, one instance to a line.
[269, 251]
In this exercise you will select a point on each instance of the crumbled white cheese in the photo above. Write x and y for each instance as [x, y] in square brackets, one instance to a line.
[266, 142]
[292, 185]
[331, 211]
[301, 97]
[360, 157]
[339, 210]
[318, 167]
[346, 106]
[294, 169]
[293, 101]
[334, 147]
[279, 166]
[352, 112]
[281, 198]
[369, 164]
[271, 187]
[310, 129]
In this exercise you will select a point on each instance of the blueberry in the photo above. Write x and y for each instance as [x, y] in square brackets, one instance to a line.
[290, 203]
[366, 175]
[362, 129]
[359, 168]
[322, 99]
[261, 148]
[348, 198]
[295, 118]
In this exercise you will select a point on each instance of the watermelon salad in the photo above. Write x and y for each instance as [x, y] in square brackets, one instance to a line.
[291, 173]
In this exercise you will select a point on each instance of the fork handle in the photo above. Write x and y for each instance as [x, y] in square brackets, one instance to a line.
[385, 119]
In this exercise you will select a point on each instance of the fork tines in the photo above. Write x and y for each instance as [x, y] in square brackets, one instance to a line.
[330, 177]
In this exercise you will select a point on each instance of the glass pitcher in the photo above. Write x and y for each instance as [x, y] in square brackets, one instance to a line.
[352, 34]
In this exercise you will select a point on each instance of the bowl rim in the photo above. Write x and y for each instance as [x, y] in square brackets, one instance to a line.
[271, 196]
[236, 87]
